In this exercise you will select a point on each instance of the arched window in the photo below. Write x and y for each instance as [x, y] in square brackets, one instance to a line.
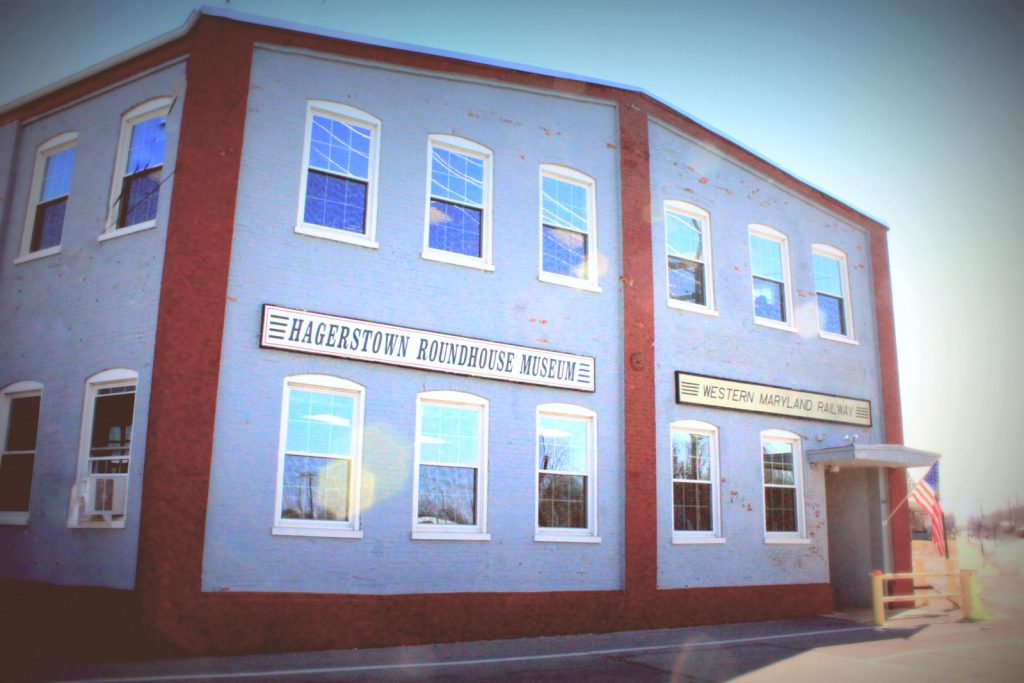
[832, 291]
[19, 426]
[688, 252]
[695, 483]
[782, 473]
[566, 473]
[139, 170]
[568, 228]
[769, 266]
[51, 187]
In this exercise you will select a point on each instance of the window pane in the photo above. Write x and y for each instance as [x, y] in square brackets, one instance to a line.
[766, 257]
[686, 280]
[563, 204]
[447, 495]
[320, 422]
[454, 228]
[57, 176]
[830, 314]
[315, 488]
[780, 509]
[826, 275]
[778, 463]
[768, 300]
[449, 435]
[15, 482]
[456, 177]
[684, 237]
[340, 147]
[139, 196]
[691, 507]
[562, 444]
[110, 442]
[691, 456]
[565, 252]
[49, 225]
[335, 202]
[562, 501]
[22, 424]
[146, 149]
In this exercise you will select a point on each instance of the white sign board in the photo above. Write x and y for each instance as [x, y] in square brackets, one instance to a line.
[329, 335]
[762, 398]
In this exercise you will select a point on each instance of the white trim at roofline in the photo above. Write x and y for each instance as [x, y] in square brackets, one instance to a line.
[395, 45]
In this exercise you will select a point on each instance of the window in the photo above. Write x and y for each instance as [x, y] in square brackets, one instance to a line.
[566, 473]
[459, 203]
[450, 479]
[769, 259]
[695, 481]
[100, 494]
[783, 481]
[51, 186]
[568, 253]
[319, 457]
[688, 248]
[339, 179]
[19, 424]
[140, 167]
[831, 287]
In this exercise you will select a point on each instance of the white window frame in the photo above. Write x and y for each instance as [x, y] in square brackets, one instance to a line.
[116, 377]
[452, 532]
[158, 106]
[562, 535]
[794, 439]
[465, 147]
[570, 175]
[313, 527]
[836, 254]
[692, 211]
[769, 233]
[356, 117]
[22, 389]
[54, 145]
[715, 534]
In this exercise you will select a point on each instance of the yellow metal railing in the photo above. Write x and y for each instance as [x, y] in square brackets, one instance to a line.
[879, 598]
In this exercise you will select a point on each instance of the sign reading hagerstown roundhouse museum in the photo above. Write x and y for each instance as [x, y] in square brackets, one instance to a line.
[329, 335]
[762, 398]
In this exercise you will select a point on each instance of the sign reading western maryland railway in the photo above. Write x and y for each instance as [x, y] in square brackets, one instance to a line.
[328, 335]
[762, 398]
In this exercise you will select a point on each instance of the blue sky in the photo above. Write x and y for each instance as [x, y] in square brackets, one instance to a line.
[910, 111]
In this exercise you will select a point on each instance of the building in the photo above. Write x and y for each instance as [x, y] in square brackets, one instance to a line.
[349, 344]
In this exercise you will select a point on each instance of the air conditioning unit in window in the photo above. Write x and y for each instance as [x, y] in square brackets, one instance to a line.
[105, 496]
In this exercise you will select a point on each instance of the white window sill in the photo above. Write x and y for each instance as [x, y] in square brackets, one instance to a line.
[692, 308]
[456, 259]
[35, 255]
[774, 324]
[14, 518]
[130, 230]
[786, 540]
[336, 235]
[838, 338]
[681, 539]
[575, 283]
[115, 524]
[450, 536]
[316, 531]
[565, 538]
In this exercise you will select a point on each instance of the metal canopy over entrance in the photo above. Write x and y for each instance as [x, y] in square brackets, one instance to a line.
[872, 455]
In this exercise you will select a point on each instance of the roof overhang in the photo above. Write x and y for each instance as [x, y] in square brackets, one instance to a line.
[872, 455]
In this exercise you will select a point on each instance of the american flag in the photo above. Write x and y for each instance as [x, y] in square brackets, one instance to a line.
[926, 494]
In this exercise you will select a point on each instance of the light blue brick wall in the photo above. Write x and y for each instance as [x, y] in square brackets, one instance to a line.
[68, 316]
[393, 284]
[731, 345]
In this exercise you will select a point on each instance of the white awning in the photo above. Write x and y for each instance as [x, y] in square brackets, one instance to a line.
[872, 455]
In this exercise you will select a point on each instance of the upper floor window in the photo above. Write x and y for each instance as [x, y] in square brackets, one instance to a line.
[783, 485]
[769, 265]
[688, 247]
[19, 425]
[100, 495]
[568, 253]
[340, 174]
[459, 202]
[51, 186]
[140, 166]
[831, 287]
[319, 457]
[566, 473]
[450, 479]
[695, 479]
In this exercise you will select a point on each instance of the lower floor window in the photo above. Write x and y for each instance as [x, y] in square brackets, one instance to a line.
[780, 453]
[19, 423]
[566, 457]
[694, 479]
